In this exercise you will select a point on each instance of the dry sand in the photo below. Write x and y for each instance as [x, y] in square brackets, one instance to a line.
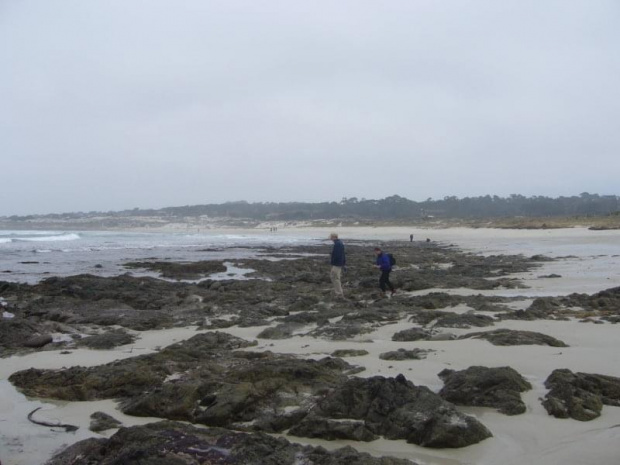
[533, 437]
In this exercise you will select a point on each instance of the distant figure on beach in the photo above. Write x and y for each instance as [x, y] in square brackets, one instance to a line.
[410, 237]
[338, 262]
[384, 263]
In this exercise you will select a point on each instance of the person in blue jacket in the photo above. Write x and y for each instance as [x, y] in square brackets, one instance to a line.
[338, 262]
[385, 265]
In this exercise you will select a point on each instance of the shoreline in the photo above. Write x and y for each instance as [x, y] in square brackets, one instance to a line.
[192, 224]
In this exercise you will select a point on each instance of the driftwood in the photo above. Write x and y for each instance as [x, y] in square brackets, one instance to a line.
[68, 428]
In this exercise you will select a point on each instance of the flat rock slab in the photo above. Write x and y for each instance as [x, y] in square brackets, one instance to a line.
[509, 337]
[177, 444]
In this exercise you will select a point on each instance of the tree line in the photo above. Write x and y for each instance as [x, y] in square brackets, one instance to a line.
[390, 208]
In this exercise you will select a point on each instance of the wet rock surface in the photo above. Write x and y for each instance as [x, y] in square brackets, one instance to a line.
[221, 381]
[207, 380]
[478, 386]
[173, 443]
[404, 354]
[580, 396]
[394, 408]
[101, 421]
[413, 334]
[294, 288]
[106, 340]
[180, 271]
[509, 337]
[604, 304]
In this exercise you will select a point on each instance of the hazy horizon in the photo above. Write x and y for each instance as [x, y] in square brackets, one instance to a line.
[110, 105]
[293, 201]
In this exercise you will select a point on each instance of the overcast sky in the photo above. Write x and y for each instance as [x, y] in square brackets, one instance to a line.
[116, 104]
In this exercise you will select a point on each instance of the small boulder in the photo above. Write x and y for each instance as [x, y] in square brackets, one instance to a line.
[412, 334]
[580, 396]
[38, 341]
[479, 386]
[100, 421]
[404, 354]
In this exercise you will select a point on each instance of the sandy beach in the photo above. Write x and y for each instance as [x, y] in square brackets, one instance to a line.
[587, 262]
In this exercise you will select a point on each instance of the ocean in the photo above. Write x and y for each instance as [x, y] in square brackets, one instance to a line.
[30, 256]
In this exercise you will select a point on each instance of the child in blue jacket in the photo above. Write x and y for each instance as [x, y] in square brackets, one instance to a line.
[385, 265]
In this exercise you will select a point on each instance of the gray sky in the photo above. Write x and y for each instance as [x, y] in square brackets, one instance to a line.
[116, 104]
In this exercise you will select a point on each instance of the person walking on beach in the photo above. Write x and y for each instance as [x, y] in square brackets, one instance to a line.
[384, 263]
[410, 237]
[338, 262]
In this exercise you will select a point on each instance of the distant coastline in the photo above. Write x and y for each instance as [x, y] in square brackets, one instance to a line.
[196, 224]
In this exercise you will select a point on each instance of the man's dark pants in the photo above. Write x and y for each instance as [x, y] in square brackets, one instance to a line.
[384, 281]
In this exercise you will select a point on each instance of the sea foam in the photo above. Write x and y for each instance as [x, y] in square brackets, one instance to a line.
[50, 238]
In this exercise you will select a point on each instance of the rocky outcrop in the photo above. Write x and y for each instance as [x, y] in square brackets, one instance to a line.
[440, 319]
[349, 353]
[478, 386]
[107, 340]
[413, 334]
[281, 331]
[580, 396]
[404, 354]
[603, 304]
[509, 337]
[466, 320]
[189, 270]
[294, 291]
[179, 444]
[391, 407]
[100, 421]
[38, 341]
[15, 332]
[207, 380]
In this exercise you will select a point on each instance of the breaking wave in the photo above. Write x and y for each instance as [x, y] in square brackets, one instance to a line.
[39, 237]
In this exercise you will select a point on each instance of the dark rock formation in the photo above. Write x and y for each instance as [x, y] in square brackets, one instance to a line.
[394, 408]
[15, 331]
[404, 354]
[413, 334]
[509, 337]
[466, 320]
[440, 319]
[170, 443]
[604, 304]
[100, 421]
[580, 396]
[202, 380]
[38, 341]
[479, 386]
[107, 340]
[206, 380]
[341, 330]
[188, 270]
[349, 353]
[292, 291]
[281, 331]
